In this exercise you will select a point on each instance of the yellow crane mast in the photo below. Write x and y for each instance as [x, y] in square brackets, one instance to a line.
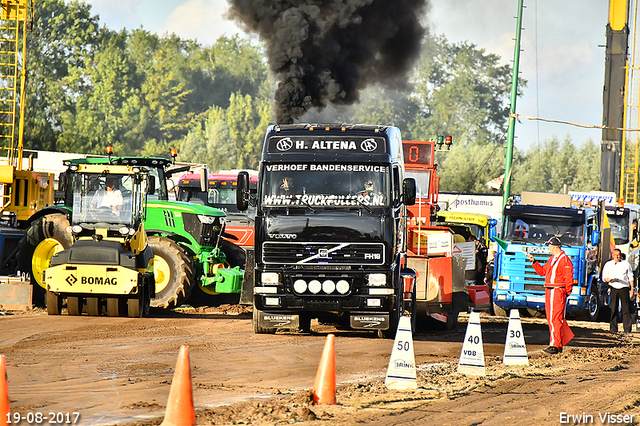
[631, 138]
[23, 192]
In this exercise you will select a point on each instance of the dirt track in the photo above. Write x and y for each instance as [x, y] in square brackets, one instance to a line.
[118, 371]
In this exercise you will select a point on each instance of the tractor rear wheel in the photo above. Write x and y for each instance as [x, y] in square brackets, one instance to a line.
[173, 271]
[45, 237]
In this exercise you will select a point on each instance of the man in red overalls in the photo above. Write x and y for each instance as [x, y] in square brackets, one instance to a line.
[558, 283]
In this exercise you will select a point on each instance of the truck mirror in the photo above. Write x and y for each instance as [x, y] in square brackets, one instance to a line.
[492, 229]
[152, 185]
[409, 191]
[595, 237]
[242, 194]
[204, 180]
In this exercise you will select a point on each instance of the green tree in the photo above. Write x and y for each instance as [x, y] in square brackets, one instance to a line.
[65, 35]
[229, 138]
[554, 164]
[237, 67]
[461, 91]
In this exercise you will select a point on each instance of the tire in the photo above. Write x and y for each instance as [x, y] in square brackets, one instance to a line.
[133, 308]
[116, 307]
[257, 329]
[533, 313]
[45, 237]
[93, 306]
[459, 303]
[54, 303]
[74, 305]
[305, 323]
[411, 309]
[593, 310]
[173, 272]
[394, 319]
[499, 312]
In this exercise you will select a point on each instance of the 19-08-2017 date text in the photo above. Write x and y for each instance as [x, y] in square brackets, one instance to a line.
[37, 418]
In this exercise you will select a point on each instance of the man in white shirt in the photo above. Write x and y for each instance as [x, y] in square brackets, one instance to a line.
[617, 273]
[108, 196]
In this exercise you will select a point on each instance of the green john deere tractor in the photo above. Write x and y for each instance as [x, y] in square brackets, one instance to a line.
[190, 253]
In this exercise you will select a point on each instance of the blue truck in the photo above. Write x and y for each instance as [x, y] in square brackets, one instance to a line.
[527, 225]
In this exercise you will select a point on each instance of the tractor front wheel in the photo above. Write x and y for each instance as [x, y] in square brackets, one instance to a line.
[173, 271]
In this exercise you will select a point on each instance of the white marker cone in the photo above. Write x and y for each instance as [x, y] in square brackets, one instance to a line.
[401, 374]
[472, 354]
[515, 350]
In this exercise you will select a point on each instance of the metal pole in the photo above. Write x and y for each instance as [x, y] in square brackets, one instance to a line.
[512, 109]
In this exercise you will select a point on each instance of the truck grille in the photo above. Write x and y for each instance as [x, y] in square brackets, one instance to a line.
[287, 253]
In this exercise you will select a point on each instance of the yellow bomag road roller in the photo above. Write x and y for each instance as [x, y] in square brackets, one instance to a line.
[109, 266]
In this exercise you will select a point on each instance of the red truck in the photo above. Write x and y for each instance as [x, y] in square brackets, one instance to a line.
[441, 290]
[221, 194]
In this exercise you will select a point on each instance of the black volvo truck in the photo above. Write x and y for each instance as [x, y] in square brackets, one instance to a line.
[330, 228]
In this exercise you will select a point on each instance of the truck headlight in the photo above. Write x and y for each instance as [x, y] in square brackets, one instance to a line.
[503, 286]
[207, 220]
[377, 280]
[270, 278]
[328, 286]
[300, 286]
[315, 286]
[342, 286]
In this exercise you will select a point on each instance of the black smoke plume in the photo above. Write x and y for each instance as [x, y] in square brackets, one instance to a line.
[325, 51]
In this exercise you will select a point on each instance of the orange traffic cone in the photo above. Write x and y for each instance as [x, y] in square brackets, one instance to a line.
[180, 410]
[5, 412]
[324, 388]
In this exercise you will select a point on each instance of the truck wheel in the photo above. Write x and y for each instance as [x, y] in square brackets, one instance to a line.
[54, 303]
[593, 310]
[305, 323]
[499, 312]
[45, 237]
[533, 313]
[257, 329]
[459, 303]
[394, 319]
[173, 271]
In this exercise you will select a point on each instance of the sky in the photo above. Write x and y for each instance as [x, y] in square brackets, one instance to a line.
[562, 44]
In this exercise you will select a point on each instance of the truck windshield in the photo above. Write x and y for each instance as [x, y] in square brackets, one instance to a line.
[619, 228]
[539, 229]
[325, 185]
